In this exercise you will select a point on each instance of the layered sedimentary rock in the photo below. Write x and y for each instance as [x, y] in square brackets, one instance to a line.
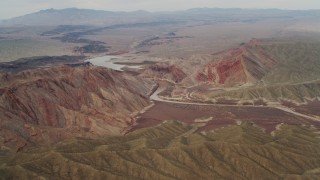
[245, 64]
[44, 106]
[165, 71]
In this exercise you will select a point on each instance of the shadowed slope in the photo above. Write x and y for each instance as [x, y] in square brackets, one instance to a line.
[242, 152]
[43, 106]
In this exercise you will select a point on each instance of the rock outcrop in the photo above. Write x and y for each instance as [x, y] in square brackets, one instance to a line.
[44, 106]
[165, 71]
[247, 63]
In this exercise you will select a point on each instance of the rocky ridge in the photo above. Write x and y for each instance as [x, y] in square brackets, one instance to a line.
[44, 106]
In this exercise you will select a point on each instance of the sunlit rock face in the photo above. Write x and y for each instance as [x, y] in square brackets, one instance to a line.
[44, 106]
[245, 64]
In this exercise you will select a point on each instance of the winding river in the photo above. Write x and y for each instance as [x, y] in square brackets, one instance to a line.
[107, 61]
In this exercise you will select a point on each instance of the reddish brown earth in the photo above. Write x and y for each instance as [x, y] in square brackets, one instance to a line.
[265, 117]
[310, 108]
[226, 101]
[164, 71]
[44, 106]
[245, 64]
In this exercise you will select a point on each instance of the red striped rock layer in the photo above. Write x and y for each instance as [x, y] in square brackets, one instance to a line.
[247, 63]
[44, 106]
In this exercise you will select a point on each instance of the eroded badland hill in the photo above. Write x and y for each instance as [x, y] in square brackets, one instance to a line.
[195, 94]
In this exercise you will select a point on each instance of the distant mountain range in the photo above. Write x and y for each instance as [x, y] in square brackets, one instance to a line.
[74, 16]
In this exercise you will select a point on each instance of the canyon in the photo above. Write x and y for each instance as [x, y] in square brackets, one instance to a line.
[195, 94]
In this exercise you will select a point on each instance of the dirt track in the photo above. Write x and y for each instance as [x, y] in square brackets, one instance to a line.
[222, 115]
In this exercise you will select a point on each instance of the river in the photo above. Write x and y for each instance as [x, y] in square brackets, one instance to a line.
[106, 61]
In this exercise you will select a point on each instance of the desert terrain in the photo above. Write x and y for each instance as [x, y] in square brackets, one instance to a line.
[201, 93]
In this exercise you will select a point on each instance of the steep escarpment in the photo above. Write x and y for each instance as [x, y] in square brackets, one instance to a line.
[245, 64]
[44, 106]
[294, 76]
[165, 71]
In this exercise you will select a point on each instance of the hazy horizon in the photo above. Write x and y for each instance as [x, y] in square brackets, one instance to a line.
[14, 8]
